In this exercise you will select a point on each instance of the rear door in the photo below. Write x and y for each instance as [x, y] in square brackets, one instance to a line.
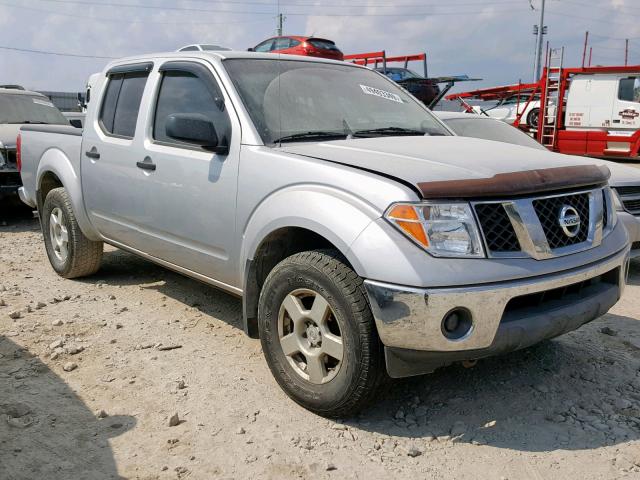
[112, 186]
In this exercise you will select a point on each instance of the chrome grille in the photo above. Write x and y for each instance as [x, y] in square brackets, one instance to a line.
[496, 227]
[548, 211]
[630, 198]
[530, 227]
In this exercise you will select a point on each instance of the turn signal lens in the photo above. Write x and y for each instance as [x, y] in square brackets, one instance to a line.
[406, 217]
[403, 212]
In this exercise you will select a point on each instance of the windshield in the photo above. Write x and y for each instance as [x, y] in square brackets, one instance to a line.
[491, 130]
[400, 74]
[289, 98]
[16, 108]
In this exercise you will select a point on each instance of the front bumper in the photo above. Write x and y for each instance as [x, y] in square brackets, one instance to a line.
[632, 224]
[505, 316]
[10, 182]
[22, 193]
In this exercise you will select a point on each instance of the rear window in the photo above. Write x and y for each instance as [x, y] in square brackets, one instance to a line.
[323, 44]
[19, 109]
[121, 104]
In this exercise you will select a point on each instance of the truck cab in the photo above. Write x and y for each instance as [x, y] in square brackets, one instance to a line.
[609, 102]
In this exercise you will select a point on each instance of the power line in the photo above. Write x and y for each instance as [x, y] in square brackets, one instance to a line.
[60, 54]
[290, 4]
[120, 20]
[609, 8]
[603, 20]
[309, 14]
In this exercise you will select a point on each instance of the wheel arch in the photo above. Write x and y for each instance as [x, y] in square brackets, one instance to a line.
[56, 170]
[294, 219]
[275, 247]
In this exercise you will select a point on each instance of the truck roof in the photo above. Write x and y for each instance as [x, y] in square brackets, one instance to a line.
[223, 55]
[14, 91]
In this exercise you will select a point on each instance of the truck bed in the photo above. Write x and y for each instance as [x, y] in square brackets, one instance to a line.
[37, 141]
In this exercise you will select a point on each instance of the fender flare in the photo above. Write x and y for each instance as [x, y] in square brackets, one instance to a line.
[55, 161]
[336, 215]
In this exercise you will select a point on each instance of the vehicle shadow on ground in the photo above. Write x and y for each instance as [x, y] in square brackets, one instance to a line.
[17, 219]
[46, 431]
[123, 268]
[634, 272]
[572, 393]
[560, 394]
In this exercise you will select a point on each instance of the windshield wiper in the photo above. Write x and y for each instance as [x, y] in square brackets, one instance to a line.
[387, 131]
[310, 136]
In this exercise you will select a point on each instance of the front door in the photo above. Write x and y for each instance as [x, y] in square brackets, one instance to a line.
[190, 192]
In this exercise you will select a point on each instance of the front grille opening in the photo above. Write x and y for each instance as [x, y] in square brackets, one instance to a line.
[497, 228]
[11, 158]
[10, 179]
[631, 205]
[548, 211]
[517, 306]
[634, 190]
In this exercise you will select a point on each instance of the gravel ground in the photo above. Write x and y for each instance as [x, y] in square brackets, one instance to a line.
[93, 373]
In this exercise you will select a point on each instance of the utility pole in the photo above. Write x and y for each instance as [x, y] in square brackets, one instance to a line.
[584, 51]
[280, 22]
[538, 60]
[626, 52]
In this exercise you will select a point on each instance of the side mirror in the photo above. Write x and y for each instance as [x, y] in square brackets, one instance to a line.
[251, 49]
[195, 128]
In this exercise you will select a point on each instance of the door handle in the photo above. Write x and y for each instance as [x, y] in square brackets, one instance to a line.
[93, 153]
[146, 164]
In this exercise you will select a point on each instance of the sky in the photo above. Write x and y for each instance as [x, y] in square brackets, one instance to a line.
[489, 39]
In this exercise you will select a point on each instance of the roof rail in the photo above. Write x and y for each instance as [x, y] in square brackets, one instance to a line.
[12, 87]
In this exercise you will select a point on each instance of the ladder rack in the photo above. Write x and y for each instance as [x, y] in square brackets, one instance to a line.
[552, 98]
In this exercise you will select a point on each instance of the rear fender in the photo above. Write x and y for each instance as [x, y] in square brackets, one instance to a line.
[56, 162]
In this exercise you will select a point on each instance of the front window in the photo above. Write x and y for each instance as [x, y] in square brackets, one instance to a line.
[291, 99]
[629, 89]
[19, 109]
[489, 129]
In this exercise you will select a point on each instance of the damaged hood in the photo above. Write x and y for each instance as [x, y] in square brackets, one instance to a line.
[459, 166]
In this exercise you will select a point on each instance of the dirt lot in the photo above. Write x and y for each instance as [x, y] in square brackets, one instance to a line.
[569, 408]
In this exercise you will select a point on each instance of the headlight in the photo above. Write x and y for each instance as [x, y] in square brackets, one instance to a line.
[442, 229]
[615, 197]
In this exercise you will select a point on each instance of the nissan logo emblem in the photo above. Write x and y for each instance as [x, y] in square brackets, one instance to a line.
[569, 221]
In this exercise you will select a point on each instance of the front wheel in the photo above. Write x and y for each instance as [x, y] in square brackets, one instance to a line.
[533, 118]
[70, 253]
[318, 334]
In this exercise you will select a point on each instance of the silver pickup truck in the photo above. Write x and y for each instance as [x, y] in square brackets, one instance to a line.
[365, 240]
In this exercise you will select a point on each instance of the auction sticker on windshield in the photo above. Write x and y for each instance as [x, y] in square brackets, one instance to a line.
[42, 102]
[381, 93]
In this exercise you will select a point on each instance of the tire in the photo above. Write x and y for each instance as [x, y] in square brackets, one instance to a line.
[301, 281]
[81, 256]
[533, 118]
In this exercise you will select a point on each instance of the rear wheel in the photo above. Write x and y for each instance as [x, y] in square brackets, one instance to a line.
[318, 334]
[70, 253]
